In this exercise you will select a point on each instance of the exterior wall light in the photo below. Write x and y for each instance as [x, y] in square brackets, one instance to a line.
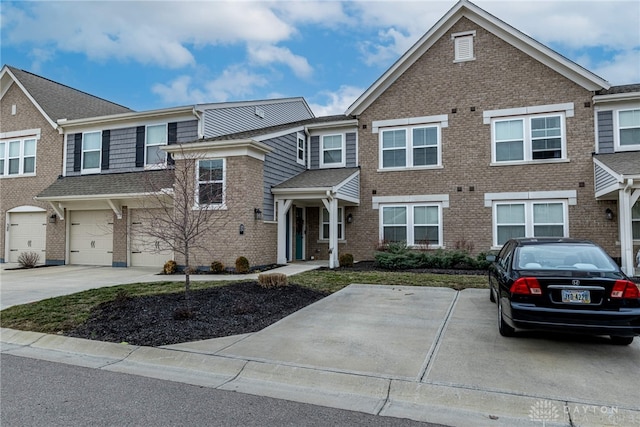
[257, 214]
[52, 219]
[349, 218]
[241, 228]
[609, 214]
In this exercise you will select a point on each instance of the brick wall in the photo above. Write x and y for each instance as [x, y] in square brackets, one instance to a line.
[501, 77]
[20, 191]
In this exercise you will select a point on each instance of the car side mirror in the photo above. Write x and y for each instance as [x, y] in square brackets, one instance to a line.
[491, 258]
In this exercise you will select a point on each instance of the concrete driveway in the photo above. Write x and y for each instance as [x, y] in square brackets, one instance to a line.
[429, 354]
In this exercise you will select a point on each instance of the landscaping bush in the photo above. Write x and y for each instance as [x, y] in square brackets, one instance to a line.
[170, 267]
[28, 259]
[217, 267]
[242, 265]
[272, 280]
[346, 260]
[438, 259]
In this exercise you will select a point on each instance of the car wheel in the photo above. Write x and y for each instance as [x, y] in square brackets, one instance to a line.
[504, 329]
[492, 296]
[621, 340]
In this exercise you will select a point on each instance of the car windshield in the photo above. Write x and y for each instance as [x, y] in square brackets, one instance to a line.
[563, 256]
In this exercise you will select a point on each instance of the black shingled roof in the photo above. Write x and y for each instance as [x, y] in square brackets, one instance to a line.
[63, 102]
[620, 89]
[318, 178]
[624, 163]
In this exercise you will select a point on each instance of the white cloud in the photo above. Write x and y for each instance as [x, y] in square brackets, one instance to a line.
[269, 54]
[624, 68]
[234, 83]
[337, 102]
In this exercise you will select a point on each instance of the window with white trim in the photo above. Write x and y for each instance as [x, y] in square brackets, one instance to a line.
[635, 220]
[211, 179]
[301, 149]
[156, 137]
[411, 147]
[514, 219]
[324, 224]
[18, 157]
[629, 127]
[532, 138]
[332, 151]
[91, 151]
[413, 224]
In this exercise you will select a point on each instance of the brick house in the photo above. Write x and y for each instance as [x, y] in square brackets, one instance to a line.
[31, 150]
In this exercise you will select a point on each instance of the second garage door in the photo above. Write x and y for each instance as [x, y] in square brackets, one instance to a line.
[91, 238]
[146, 251]
[27, 233]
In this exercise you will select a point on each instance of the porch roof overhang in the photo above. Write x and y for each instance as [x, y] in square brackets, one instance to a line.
[342, 184]
[105, 190]
[615, 171]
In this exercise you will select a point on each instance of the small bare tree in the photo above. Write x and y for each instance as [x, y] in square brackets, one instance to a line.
[183, 204]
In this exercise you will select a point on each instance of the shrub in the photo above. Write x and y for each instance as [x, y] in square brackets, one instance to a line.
[28, 259]
[346, 260]
[242, 265]
[452, 259]
[273, 280]
[170, 267]
[397, 247]
[217, 267]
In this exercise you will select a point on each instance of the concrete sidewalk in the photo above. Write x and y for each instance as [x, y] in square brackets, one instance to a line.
[429, 354]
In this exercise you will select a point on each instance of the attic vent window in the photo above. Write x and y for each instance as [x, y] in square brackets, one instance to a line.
[463, 46]
[259, 112]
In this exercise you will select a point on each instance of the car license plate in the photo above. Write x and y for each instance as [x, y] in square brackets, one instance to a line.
[576, 297]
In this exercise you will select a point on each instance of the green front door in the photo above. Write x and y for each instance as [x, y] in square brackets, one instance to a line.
[299, 227]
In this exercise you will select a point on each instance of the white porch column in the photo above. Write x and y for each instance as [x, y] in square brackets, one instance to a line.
[332, 206]
[282, 207]
[626, 232]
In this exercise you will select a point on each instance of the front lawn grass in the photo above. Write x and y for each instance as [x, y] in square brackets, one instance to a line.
[59, 314]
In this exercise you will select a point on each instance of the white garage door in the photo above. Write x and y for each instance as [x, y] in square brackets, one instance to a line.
[27, 233]
[146, 251]
[91, 237]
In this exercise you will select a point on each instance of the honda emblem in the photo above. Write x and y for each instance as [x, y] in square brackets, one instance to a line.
[575, 282]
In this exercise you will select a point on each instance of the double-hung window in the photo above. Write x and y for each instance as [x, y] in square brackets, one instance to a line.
[529, 219]
[411, 147]
[91, 151]
[531, 138]
[324, 226]
[211, 179]
[18, 157]
[413, 224]
[635, 220]
[156, 137]
[301, 149]
[629, 128]
[332, 151]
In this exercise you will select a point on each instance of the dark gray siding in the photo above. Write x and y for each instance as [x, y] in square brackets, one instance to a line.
[279, 165]
[603, 178]
[225, 121]
[605, 132]
[350, 146]
[122, 147]
[351, 188]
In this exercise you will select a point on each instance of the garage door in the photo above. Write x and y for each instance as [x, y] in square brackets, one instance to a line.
[27, 233]
[91, 237]
[146, 251]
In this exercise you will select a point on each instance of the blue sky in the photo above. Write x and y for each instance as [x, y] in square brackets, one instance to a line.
[157, 54]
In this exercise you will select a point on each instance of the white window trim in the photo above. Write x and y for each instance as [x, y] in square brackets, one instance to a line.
[571, 196]
[91, 170]
[21, 157]
[632, 221]
[343, 163]
[528, 213]
[457, 39]
[301, 137]
[527, 143]
[409, 148]
[616, 130]
[323, 239]
[223, 204]
[159, 165]
[410, 222]
[442, 199]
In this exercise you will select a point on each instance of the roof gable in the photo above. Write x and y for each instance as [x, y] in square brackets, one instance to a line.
[516, 38]
[56, 101]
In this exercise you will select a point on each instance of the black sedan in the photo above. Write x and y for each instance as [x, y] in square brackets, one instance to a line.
[564, 285]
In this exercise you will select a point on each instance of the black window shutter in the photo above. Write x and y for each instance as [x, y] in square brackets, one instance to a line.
[140, 146]
[106, 140]
[172, 138]
[77, 152]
